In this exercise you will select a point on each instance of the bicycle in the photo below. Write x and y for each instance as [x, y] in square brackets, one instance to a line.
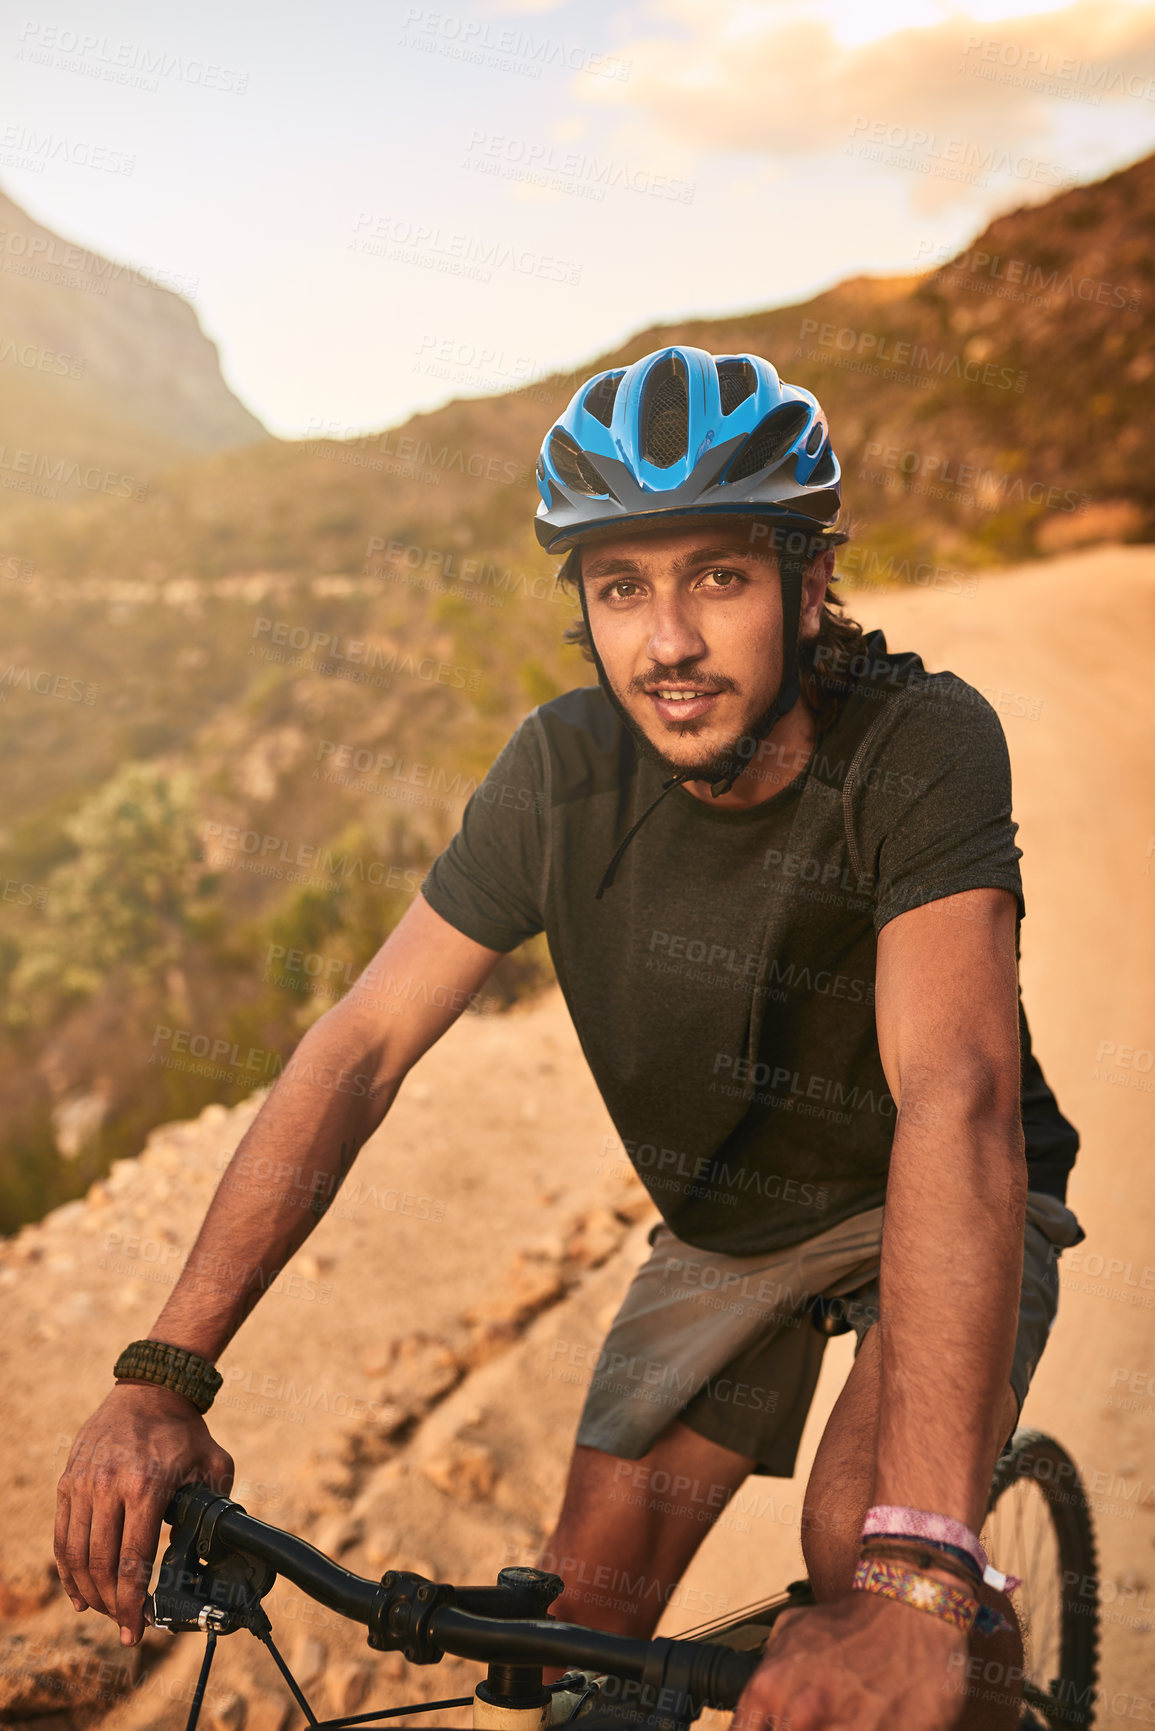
[221, 1562]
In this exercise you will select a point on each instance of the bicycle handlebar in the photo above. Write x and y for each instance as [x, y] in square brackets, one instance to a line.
[427, 1619]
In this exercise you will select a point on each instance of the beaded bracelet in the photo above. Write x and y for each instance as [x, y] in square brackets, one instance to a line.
[923, 1593]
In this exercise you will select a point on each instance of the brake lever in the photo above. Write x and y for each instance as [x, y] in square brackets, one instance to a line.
[197, 1592]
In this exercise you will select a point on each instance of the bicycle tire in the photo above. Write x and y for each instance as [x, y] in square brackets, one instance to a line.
[1058, 1604]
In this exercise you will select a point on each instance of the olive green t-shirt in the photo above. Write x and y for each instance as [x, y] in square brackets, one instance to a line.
[723, 986]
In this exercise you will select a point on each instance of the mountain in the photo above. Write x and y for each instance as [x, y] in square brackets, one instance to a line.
[992, 407]
[106, 374]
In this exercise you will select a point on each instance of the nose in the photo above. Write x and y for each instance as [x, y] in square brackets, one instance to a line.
[673, 637]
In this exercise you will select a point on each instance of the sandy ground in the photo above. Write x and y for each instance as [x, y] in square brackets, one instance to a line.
[407, 1392]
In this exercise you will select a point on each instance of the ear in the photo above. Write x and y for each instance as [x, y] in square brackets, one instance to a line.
[814, 583]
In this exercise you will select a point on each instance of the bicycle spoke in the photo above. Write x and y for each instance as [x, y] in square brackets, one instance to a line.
[1017, 1495]
[1043, 1529]
[1049, 1647]
[1049, 1656]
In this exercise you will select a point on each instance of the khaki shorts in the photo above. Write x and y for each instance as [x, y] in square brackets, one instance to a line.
[726, 1344]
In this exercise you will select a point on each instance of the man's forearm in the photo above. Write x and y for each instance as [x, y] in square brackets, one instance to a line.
[952, 1255]
[286, 1171]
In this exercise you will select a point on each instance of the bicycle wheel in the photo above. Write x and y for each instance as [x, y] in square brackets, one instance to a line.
[1038, 1527]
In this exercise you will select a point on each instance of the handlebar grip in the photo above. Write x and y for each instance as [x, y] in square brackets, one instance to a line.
[731, 1678]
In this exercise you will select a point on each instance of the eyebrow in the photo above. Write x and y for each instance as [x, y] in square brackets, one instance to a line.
[687, 561]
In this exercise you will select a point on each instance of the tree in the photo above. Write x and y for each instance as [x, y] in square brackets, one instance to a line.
[124, 904]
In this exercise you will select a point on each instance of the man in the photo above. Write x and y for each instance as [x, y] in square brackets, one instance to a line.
[776, 866]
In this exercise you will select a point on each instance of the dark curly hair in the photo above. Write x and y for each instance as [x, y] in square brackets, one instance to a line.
[823, 691]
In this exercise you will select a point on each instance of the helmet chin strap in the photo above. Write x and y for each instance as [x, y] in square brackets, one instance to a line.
[788, 691]
[786, 699]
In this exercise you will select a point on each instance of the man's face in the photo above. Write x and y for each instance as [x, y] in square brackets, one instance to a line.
[688, 625]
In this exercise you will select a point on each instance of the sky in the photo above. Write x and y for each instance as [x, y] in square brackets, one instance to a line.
[377, 206]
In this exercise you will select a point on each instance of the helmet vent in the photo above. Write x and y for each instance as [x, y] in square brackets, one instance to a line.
[665, 414]
[769, 442]
[823, 472]
[814, 442]
[737, 380]
[599, 399]
[574, 468]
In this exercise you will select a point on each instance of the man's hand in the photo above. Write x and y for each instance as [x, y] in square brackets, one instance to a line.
[864, 1663]
[134, 1451]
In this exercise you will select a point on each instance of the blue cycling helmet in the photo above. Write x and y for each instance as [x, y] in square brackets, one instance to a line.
[683, 432]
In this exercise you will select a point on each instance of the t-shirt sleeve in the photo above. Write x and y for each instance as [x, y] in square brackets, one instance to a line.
[490, 881]
[930, 800]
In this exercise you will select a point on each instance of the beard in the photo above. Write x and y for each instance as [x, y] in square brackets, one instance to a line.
[719, 760]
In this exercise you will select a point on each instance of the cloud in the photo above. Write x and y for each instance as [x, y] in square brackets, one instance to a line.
[730, 76]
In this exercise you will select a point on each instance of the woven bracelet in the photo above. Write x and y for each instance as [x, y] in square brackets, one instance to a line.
[917, 1555]
[172, 1367]
[923, 1593]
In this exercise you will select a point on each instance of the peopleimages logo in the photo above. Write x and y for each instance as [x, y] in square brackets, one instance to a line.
[1017, 63]
[335, 650]
[537, 162]
[871, 351]
[504, 48]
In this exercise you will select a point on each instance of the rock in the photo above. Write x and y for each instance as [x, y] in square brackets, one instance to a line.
[77, 1121]
[268, 1713]
[347, 1685]
[64, 1672]
[338, 1534]
[229, 1713]
[594, 1237]
[535, 1283]
[466, 1471]
[65, 1215]
[419, 1373]
[28, 1593]
[310, 1658]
